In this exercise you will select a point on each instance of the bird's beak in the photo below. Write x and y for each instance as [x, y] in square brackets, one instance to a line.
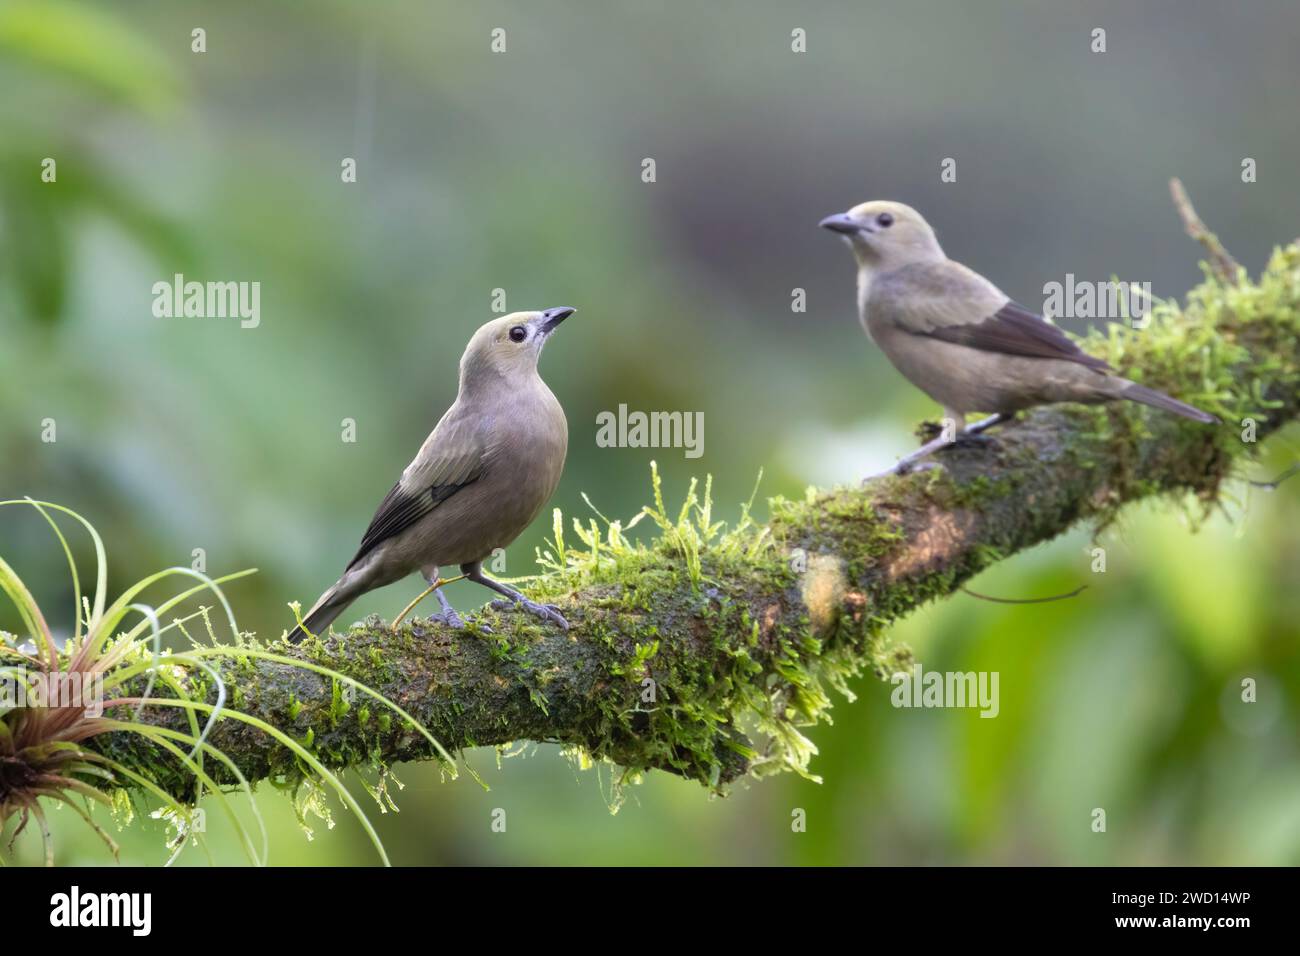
[842, 223]
[551, 318]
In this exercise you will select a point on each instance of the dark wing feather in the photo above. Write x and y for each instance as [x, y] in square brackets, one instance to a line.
[1014, 330]
[399, 510]
[451, 458]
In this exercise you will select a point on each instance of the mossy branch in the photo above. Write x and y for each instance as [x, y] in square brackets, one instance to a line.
[704, 651]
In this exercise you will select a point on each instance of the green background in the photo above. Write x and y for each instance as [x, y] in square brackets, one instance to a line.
[521, 171]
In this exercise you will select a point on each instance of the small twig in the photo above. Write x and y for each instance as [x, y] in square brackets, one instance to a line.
[1221, 261]
[1272, 485]
[996, 600]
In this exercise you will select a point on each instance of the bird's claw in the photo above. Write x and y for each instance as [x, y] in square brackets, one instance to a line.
[547, 612]
[450, 618]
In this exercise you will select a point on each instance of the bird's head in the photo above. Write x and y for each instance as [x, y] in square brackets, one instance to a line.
[509, 347]
[885, 235]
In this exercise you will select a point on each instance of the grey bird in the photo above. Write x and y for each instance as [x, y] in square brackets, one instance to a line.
[477, 482]
[961, 340]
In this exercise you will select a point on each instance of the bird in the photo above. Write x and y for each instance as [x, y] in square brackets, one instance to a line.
[480, 478]
[958, 338]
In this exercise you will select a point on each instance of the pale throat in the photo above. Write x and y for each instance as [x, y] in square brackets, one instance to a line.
[866, 273]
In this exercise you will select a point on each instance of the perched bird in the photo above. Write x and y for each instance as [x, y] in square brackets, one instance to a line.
[477, 482]
[960, 339]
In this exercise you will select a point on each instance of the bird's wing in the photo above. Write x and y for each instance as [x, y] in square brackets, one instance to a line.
[452, 457]
[955, 304]
[1015, 330]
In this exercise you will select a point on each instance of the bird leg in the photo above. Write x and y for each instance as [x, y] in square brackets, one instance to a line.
[448, 615]
[434, 585]
[548, 612]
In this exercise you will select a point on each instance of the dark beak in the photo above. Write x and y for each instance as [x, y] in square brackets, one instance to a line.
[842, 223]
[553, 317]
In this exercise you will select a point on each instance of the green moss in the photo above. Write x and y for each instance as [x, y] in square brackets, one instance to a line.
[693, 705]
[710, 650]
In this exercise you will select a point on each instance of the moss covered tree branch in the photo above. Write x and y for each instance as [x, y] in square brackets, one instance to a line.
[704, 651]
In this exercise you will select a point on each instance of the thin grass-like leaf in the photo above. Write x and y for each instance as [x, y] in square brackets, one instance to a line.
[318, 768]
[333, 674]
[29, 611]
[72, 569]
[101, 558]
[163, 737]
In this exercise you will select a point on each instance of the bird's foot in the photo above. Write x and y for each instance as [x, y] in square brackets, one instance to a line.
[448, 617]
[547, 612]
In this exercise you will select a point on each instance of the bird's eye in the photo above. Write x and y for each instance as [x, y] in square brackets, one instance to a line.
[518, 333]
[885, 219]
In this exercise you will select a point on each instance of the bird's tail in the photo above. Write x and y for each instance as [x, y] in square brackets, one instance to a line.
[327, 607]
[1149, 396]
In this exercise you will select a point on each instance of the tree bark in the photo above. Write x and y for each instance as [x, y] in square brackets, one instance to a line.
[710, 672]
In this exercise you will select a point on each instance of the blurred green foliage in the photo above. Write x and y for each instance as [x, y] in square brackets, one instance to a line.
[521, 171]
